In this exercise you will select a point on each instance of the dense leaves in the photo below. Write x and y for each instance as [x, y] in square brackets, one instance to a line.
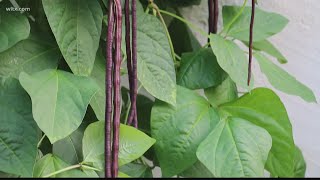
[263, 108]
[235, 148]
[180, 129]
[52, 66]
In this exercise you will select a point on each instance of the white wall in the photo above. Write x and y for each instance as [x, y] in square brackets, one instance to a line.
[300, 43]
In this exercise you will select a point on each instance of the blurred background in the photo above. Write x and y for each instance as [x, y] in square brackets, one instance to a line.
[300, 44]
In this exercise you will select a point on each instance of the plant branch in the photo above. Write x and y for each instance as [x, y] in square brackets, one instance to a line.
[42, 138]
[155, 7]
[185, 21]
[63, 170]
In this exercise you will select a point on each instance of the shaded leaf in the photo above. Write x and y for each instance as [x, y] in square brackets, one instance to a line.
[18, 131]
[31, 55]
[199, 70]
[14, 27]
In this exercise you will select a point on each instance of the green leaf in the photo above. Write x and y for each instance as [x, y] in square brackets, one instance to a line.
[122, 175]
[18, 131]
[235, 148]
[50, 164]
[299, 164]
[76, 25]
[199, 70]
[14, 27]
[231, 59]
[135, 170]
[282, 80]
[223, 93]
[155, 65]
[197, 170]
[182, 37]
[266, 24]
[54, 95]
[270, 49]
[180, 129]
[30, 56]
[264, 108]
[98, 102]
[133, 144]
[93, 143]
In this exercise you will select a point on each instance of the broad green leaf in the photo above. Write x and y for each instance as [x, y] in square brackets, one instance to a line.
[93, 143]
[231, 59]
[76, 25]
[133, 144]
[182, 38]
[14, 27]
[264, 108]
[98, 102]
[18, 130]
[55, 94]
[180, 129]
[155, 65]
[266, 23]
[50, 164]
[199, 70]
[135, 170]
[270, 49]
[235, 148]
[197, 170]
[31, 55]
[299, 164]
[122, 175]
[282, 80]
[223, 93]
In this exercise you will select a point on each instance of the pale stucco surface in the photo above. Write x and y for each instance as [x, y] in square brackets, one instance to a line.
[300, 43]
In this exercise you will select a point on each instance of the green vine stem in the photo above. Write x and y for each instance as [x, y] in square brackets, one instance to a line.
[63, 170]
[156, 8]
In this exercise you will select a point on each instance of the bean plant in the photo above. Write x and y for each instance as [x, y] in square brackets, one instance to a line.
[123, 88]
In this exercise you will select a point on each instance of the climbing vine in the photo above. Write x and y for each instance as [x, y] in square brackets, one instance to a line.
[113, 88]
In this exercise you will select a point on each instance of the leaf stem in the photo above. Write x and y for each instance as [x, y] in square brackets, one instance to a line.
[63, 170]
[155, 7]
[185, 21]
[42, 138]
